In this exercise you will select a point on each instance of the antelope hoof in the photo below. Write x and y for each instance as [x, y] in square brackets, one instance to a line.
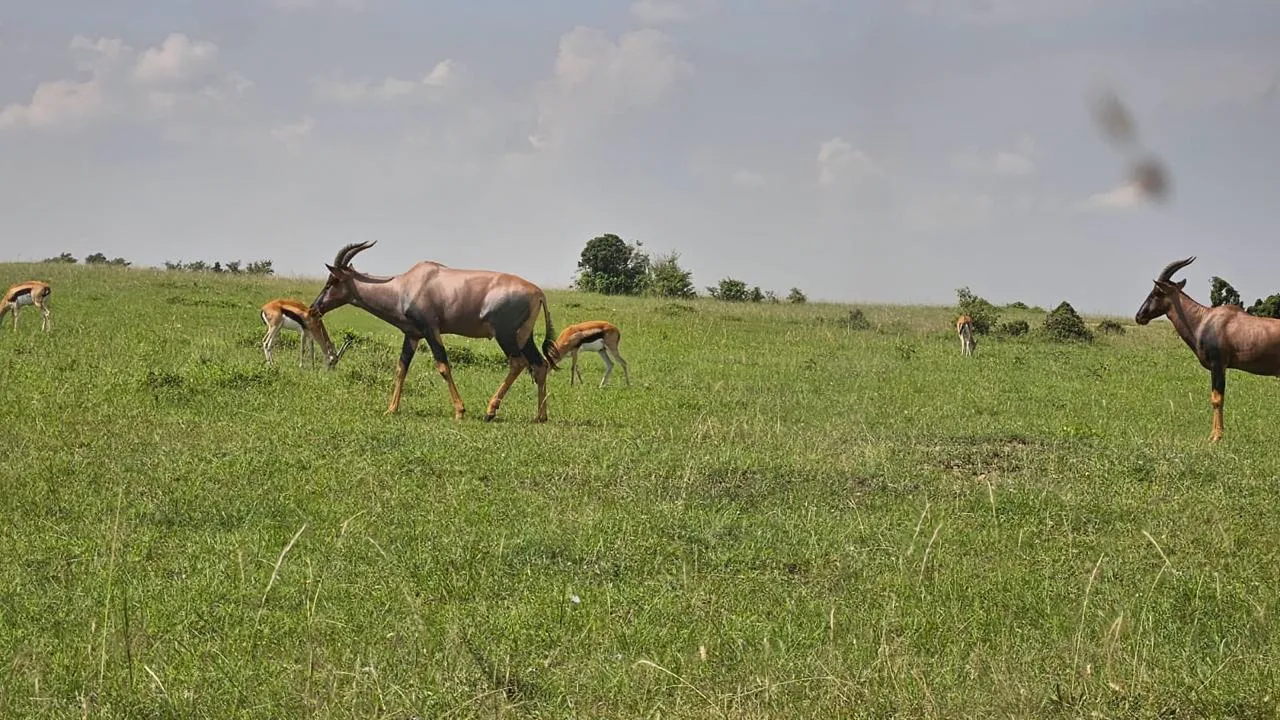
[488, 417]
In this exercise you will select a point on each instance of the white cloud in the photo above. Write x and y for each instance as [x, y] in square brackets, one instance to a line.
[664, 12]
[447, 74]
[179, 73]
[1016, 162]
[1120, 197]
[838, 160]
[747, 178]
[292, 134]
[596, 77]
[177, 60]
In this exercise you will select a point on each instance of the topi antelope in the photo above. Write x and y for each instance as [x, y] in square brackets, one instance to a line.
[430, 300]
[1223, 337]
[32, 292]
[964, 328]
[598, 335]
[292, 315]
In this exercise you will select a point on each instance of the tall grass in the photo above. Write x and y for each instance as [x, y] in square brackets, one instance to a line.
[781, 517]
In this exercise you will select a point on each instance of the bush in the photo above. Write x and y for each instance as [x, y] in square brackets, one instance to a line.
[855, 320]
[1110, 327]
[796, 297]
[755, 295]
[983, 313]
[1064, 323]
[730, 290]
[65, 257]
[1013, 328]
[1266, 308]
[260, 267]
[667, 279]
[1017, 305]
[608, 265]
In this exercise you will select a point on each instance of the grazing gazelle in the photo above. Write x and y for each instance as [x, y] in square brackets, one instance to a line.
[1223, 337]
[598, 335]
[964, 328]
[430, 300]
[292, 315]
[32, 292]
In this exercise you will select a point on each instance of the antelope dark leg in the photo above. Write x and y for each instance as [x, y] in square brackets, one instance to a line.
[1218, 373]
[446, 372]
[406, 356]
[539, 371]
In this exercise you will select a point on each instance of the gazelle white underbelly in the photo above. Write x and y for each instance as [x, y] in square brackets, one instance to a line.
[592, 346]
[290, 324]
[24, 299]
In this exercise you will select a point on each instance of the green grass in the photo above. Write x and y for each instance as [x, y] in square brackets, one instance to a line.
[847, 524]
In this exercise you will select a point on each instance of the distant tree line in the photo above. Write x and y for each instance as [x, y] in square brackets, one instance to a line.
[611, 266]
[232, 267]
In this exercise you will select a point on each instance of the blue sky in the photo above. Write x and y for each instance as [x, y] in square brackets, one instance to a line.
[863, 151]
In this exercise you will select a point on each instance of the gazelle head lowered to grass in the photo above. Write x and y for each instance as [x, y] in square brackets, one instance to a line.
[32, 292]
[292, 315]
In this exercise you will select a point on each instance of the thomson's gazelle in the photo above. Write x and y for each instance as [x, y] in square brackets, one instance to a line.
[32, 292]
[597, 335]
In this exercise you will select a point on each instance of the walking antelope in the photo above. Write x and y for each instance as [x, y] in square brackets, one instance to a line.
[292, 315]
[964, 328]
[1223, 337]
[430, 300]
[597, 335]
[32, 292]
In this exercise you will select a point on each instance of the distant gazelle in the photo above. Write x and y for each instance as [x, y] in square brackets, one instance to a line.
[32, 292]
[292, 315]
[598, 335]
[964, 328]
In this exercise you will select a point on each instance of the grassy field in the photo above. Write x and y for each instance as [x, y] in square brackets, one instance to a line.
[779, 518]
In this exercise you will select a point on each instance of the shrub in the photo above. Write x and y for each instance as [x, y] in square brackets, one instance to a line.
[730, 290]
[983, 313]
[1017, 305]
[1013, 328]
[855, 320]
[1064, 323]
[668, 279]
[1110, 327]
[1266, 308]
[65, 257]
[796, 297]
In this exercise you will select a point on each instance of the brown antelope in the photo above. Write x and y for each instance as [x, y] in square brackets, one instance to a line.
[32, 292]
[292, 315]
[598, 335]
[430, 300]
[1223, 337]
[964, 328]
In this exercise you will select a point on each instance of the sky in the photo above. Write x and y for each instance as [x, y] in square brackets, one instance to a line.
[861, 150]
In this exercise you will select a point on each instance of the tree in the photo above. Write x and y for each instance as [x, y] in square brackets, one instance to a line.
[730, 290]
[196, 266]
[233, 267]
[1064, 323]
[1221, 293]
[983, 313]
[95, 259]
[610, 266]
[756, 295]
[796, 297]
[121, 262]
[668, 279]
[260, 267]
[65, 257]
[1269, 307]
[217, 266]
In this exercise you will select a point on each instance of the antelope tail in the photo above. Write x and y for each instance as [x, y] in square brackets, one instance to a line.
[549, 348]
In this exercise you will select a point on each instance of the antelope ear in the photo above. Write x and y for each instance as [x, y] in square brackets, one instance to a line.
[332, 270]
[1181, 283]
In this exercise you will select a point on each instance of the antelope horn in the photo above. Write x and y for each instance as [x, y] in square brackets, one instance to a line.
[343, 258]
[342, 350]
[1166, 275]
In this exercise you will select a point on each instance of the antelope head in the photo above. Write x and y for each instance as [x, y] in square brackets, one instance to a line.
[338, 290]
[1160, 300]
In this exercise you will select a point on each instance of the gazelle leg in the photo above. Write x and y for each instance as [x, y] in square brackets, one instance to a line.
[16, 308]
[626, 375]
[446, 372]
[268, 341]
[44, 316]
[608, 367]
[573, 368]
[517, 365]
[1217, 397]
